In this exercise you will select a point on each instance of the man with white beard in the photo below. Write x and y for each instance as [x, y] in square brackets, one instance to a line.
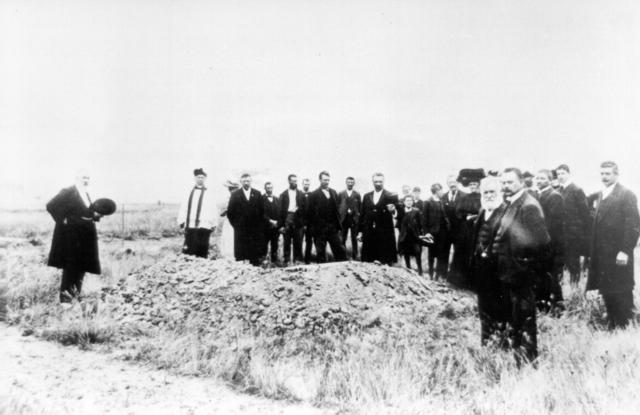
[492, 305]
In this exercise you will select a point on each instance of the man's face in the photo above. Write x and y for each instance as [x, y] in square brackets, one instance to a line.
[406, 190]
[440, 193]
[199, 179]
[608, 176]
[246, 182]
[490, 197]
[268, 189]
[324, 181]
[511, 184]
[85, 179]
[416, 195]
[563, 176]
[408, 202]
[293, 183]
[306, 184]
[542, 180]
[378, 183]
[350, 183]
[453, 185]
[473, 187]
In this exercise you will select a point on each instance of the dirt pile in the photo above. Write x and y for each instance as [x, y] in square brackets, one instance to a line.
[339, 298]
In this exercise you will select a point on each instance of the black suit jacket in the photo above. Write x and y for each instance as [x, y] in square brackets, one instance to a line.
[323, 212]
[246, 216]
[577, 223]
[521, 243]
[436, 220]
[353, 202]
[616, 229]
[452, 209]
[271, 210]
[301, 203]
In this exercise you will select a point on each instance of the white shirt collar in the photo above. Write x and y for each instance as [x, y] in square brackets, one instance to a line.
[326, 192]
[349, 192]
[516, 196]
[84, 195]
[247, 193]
[545, 189]
[567, 183]
[607, 190]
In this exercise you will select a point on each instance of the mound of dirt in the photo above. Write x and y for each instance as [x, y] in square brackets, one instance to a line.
[339, 298]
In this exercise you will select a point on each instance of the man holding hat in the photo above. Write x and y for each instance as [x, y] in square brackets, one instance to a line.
[74, 248]
[197, 218]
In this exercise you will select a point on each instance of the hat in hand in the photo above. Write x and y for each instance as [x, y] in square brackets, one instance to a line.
[104, 206]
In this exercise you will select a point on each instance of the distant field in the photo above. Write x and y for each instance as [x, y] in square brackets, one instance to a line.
[132, 222]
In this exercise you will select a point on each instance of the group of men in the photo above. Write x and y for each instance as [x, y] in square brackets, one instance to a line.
[510, 240]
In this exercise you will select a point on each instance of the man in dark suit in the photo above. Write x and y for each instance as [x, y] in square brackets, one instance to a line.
[293, 205]
[349, 203]
[74, 248]
[271, 207]
[520, 245]
[436, 225]
[418, 203]
[452, 201]
[577, 224]
[493, 307]
[246, 214]
[615, 235]
[376, 224]
[324, 220]
[549, 290]
[308, 237]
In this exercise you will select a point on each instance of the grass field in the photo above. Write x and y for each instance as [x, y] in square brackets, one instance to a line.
[582, 369]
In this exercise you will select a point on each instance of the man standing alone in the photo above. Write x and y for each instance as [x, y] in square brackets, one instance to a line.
[349, 202]
[246, 215]
[75, 241]
[615, 235]
[196, 217]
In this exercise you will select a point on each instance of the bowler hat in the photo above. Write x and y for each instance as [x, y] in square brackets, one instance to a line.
[104, 206]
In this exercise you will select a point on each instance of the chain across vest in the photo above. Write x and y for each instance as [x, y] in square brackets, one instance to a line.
[197, 222]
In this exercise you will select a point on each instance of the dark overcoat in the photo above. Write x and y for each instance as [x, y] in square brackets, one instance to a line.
[75, 240]
[247, 219]
[616, 229]
[377, 227]
[521, 243]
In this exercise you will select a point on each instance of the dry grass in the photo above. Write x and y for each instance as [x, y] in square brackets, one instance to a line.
[582, 369]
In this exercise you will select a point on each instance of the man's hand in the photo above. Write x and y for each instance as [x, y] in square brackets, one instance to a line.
[428, 238]
[391, 208]
[273, 223]
[622, 259]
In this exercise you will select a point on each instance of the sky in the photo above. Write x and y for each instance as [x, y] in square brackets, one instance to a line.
[142, 92]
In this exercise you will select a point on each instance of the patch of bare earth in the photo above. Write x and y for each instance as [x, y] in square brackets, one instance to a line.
[47, 378]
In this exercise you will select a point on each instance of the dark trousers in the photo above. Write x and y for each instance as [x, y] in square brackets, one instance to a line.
[292, 234]
[548, 289]
[196, 242]
[418, 257]
[71, 284]
[331, 236]
[572, 262]
[439, 254]
[349, 225]
[523, 331]
[308, 244]
[493, 310]
[271, 237]
[619, 308]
